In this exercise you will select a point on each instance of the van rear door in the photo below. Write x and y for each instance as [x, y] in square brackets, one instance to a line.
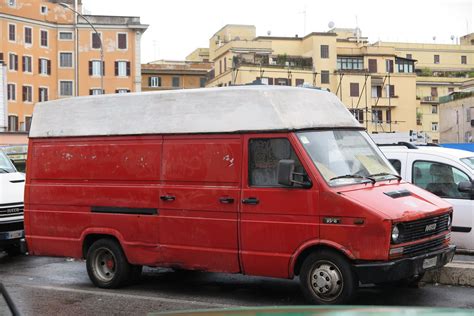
[275, 220]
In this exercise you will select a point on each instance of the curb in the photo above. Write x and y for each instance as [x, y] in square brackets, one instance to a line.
[459, 273]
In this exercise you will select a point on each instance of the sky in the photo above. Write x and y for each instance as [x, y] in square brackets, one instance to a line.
[177, 27]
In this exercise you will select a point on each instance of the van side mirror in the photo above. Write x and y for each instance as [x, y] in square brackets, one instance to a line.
[466, 187]
[286, 174]
[286, 167]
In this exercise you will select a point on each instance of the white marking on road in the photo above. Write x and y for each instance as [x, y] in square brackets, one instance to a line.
[131, 296]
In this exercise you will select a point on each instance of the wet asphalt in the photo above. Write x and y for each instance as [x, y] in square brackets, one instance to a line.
[60, 286]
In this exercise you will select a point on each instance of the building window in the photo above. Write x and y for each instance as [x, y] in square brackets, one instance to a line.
[11, 92]
[122, 91]
[96, 40]
[376, 91]
[65, 36]
[28, 33]
[122, 68]
[434, 91]
[358, 114]
[354, 89]
[350, 63]
[96, 91]
[154, 82]
[434, 126]
[12, 123]
[12, 3]
[27, 123]
[27, 93]
[175, 82]
[12, 32]
[464, 60]
[44, 66]
[404, 65]
[44, 10]
[373, 65]
[390, 90]
[225, 64]
[388, 116]
[324, 51]
[389, 65]
[96, 68]
[377, 116]
[325, 77]
[13, 62]
[122, 40]
[434, 109]
[42, 94]
[65, 88]
[65, 60]
[436, 59]
[202, 82]
[409, 56]
[44, 38]
[27, 64]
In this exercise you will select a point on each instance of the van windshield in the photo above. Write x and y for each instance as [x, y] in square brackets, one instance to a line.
[469, 162]
[346, 157]
[6, 166]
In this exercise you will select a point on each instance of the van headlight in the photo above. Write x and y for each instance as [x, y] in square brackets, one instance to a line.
[450, 219]
[395, 233]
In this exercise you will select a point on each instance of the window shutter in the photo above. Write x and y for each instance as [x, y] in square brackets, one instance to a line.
[16, 62]
[149, 81]
[23, 66]
[103, 68]
[23, 93]
[49, 67]
[90, 68]
[116, 68]
[39, 94]
[392, 90]
[128, 68]
[128, 90]
[91, 92]
[270, 81]
[372, 65]
[39, 65]
[116, 91]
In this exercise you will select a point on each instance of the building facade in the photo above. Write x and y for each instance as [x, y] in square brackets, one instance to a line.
[52, 53]
[457, 118]
[173, 75]
[388, 86]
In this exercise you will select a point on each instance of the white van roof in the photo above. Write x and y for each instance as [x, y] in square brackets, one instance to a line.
[208, 110]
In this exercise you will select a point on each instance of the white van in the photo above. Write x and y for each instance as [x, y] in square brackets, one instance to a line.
[12, 186]
[446, 172]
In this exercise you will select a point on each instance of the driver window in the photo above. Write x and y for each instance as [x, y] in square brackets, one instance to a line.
[439, 179]
[264, 155]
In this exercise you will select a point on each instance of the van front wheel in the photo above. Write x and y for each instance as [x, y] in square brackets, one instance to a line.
[107, 265]
[327, 278]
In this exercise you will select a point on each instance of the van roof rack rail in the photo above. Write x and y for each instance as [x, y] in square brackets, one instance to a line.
[430, 145]
[406, 144]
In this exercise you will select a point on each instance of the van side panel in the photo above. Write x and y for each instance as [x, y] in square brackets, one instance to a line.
[79, 186]
[199, 226]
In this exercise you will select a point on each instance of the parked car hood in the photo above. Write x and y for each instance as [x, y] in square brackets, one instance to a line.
[12, 187]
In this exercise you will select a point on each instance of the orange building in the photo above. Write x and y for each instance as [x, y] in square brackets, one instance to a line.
[51, 52]
[171, 75]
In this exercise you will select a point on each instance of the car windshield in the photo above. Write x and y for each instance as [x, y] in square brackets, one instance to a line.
[469, 161]
[346, 157]
[6, 166]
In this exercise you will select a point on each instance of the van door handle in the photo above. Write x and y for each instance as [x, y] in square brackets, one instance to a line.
[167, 198]
[226, 200]
[251, 200]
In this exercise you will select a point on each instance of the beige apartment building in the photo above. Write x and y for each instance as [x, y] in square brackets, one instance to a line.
[50, 52]
[173, 75]
[388, 86]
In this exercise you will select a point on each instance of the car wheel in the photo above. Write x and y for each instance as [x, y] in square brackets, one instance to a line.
[135, 273]
[107, 265]
[327, 278]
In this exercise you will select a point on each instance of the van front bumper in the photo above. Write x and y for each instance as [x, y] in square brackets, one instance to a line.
[379, 272]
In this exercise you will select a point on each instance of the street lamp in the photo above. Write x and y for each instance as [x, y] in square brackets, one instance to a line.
[100, 42]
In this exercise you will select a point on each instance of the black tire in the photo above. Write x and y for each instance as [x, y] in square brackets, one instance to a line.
[412, 282]
[13, 250]
[335, 283]
[135, 273]
[107, 265]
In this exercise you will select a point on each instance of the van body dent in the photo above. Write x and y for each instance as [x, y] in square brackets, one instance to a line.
[268, 181]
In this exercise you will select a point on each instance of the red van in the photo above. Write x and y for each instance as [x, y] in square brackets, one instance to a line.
[268, 181]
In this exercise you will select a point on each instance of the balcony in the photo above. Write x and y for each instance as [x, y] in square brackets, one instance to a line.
[430, 100]
[385, 102]
[274, 61]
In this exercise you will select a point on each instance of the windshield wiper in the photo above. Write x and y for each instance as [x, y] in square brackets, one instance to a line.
[354, 176]
[4, 170]
[386, 174]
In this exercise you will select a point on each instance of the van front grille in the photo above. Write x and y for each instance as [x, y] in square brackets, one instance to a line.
[423, 228]
[425, 246]
[11, 209]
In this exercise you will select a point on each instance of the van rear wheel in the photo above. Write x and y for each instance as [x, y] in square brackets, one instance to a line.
[107, 265]
[327, 278]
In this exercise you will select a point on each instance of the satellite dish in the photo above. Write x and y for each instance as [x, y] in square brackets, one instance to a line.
[434, 38]
[269, 32]
[331, 24]
[452, 37]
